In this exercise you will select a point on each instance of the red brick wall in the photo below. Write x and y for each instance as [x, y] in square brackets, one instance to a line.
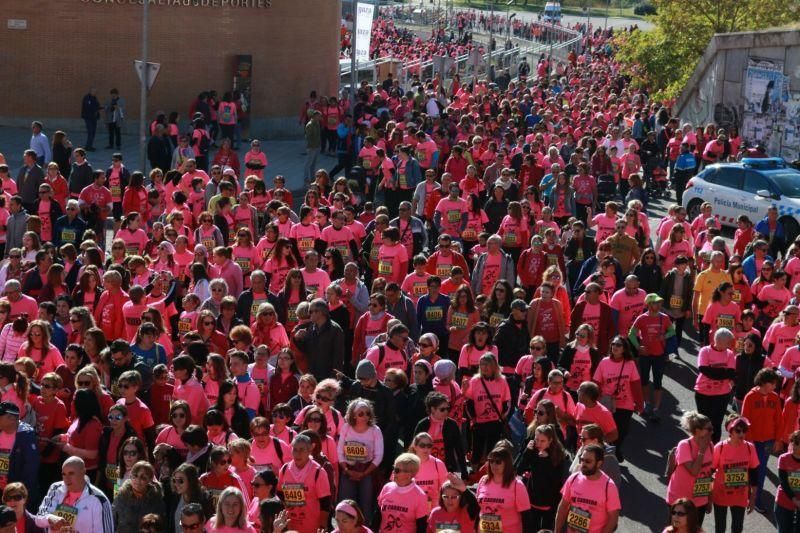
[70, 45]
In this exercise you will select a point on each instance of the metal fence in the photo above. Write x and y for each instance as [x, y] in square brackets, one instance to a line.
[467, 65]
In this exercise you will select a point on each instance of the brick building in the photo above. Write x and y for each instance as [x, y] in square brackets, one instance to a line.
[52, 51]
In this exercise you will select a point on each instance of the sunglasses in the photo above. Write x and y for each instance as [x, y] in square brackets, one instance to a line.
[130, 453]
[315, 420]
[398, 470]
[425, 445]
[679, 513]
[84, 383]
[324, 399]
[14, 497]
[116, 417]
[178, 415]
[191, 527]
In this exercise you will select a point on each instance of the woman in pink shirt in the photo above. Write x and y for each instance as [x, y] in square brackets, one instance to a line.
[277, 267]
[189, 389]
[403, 504]
[132, 235]
[502, 497]
[673, 247]
[38, 347]
[179, 420]
[488, 400]
[514, 231]
[717, 370]
[231, 514]
[432, 471]
[461, 316]
[267, 330]
[360, 452]
[723, 312]
[245, 254]
[694, 456]
[225, 268]
[457, 505]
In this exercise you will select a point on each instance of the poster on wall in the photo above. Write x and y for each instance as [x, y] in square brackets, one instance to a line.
[763, 86]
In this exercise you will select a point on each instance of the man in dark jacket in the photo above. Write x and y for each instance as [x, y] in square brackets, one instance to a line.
[69, 228]
[90, 113]
[159, 149]
[29, 178]
[21, 462]
[80, 176]
[512, 340]
[592, 265]
[322, 340]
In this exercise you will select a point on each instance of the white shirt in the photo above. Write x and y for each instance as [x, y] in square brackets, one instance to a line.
[41, 146]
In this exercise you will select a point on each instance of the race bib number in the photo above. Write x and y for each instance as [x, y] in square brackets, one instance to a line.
[112, 473]
[184, 326]
[495, 319]
[305, 244]
[116, 191]
[209, 244]
[294, 495]
[453, 216]
[434, 313]
[291, 314]
[420, 289]
[675, 302]
[579, 519]
[367, 164]
[420, 155]
[443, 271]
[459, 320]
[579, 255]
[355, 451]
[232, 235]
[333, 120]
[5, 462]
[510, 239]
[373, 254]
[131, 249]
[490, 523]
[469, 235]
[402, 180]
[254, 308]
[794, 480]
[68, 513]
[447, 526]
[725, 321]
[385, 268]
[702, 487]
[736, 477]
[69, 235]
[244, 263]
[552, 259]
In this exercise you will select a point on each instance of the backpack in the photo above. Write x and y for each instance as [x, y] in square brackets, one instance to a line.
[204, 144]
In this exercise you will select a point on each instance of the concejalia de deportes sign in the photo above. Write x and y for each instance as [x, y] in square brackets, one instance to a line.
[257, 4]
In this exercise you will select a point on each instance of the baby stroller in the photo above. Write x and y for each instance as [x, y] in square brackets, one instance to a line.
[606, 190]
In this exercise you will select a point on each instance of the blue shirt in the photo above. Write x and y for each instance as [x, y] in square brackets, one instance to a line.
[157, 355]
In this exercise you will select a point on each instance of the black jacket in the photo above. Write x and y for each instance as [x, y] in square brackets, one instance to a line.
[324, 348]
[512, 342]
[543, 479]
[159, 152]
[454, 458]
[650, 277]
[384, 406]
[747, 366]
[80, 177]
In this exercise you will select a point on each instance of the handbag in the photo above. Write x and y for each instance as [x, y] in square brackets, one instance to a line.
[610, 400]
[503, 421]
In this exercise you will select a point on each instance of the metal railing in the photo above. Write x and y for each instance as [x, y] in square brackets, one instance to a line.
[465, 65]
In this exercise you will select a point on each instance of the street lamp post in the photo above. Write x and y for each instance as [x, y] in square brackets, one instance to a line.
[143, 92]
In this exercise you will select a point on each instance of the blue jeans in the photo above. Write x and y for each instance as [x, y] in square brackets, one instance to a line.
[763, 449]
[786, 520]
[360, 491]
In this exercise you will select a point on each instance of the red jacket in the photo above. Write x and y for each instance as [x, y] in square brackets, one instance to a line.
[531, 267]
[607, 328]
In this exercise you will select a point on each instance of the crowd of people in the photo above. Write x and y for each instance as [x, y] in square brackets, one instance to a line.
[453, 336]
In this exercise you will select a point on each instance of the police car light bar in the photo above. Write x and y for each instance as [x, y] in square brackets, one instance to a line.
[763, 163]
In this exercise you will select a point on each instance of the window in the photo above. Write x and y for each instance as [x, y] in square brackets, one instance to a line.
[729, 177]
[754, 182]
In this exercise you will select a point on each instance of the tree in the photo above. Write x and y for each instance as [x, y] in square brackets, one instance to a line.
[663, 59]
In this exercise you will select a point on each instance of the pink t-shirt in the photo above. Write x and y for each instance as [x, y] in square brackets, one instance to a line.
[432, 474]
[498, 394]
[390, 262]
[451, 211]
[268, 457]
[731, 481]
[683, 484]
[470, 355]
[392, 358]
[317, 282]
[782, 336]
[581, 368]
[591, 315]
[617, 376]
[722, 316]
[306, 236]
[415, 286]
[169, 435]
[779, 295]
[605, 226]
[501, 507]
[628, 307]
[670, 251]
[401, 507]
[440, 519]
[339, 239]
[708, 356]
[590, 502]
[302, 490]
[599, 414]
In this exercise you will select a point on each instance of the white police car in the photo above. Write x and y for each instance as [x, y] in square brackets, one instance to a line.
[747, 188]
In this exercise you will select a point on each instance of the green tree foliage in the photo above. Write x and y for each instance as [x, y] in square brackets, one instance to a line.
[664, 58]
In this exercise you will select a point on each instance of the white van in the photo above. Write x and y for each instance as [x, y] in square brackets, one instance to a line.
[552, 12]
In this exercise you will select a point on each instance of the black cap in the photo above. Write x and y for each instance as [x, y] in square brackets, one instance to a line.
[9, 408]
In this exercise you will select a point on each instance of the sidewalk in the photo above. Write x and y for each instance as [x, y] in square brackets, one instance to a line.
[284, 157]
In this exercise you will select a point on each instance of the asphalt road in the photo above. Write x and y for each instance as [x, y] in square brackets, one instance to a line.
[646, 447]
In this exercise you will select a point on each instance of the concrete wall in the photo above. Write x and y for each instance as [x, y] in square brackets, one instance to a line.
[70, 45]
[716, 91]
